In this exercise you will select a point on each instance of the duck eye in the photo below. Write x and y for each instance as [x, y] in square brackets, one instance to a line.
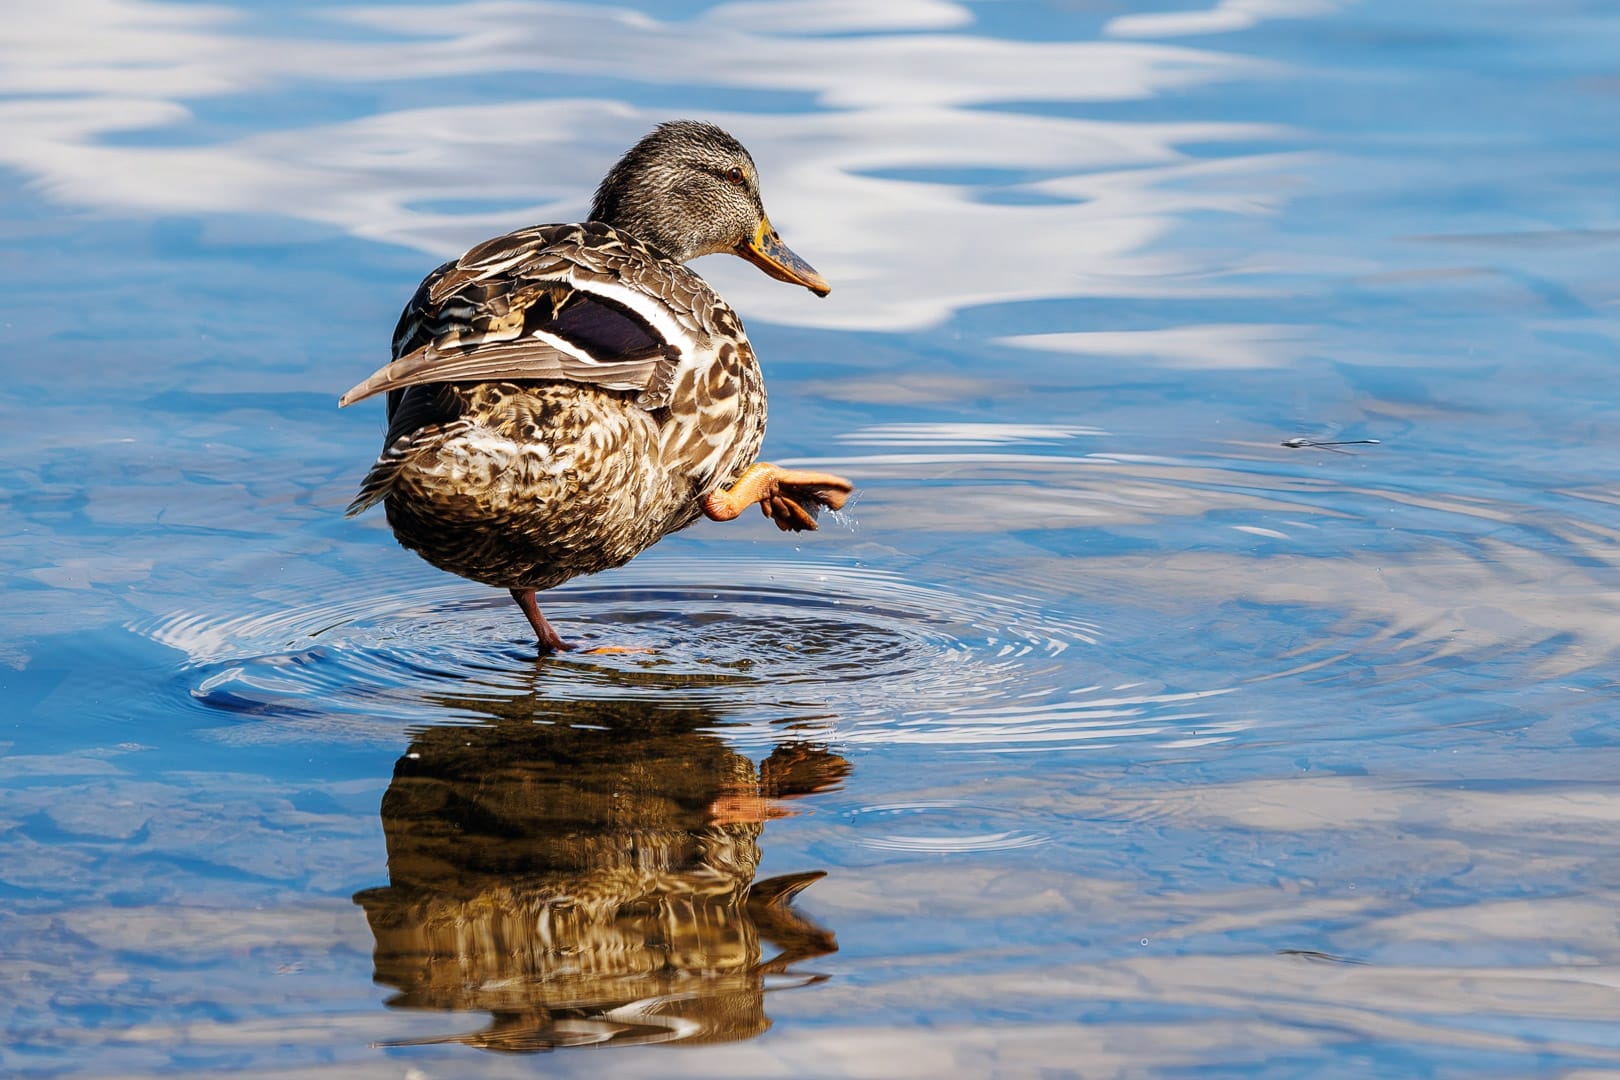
[734, 175]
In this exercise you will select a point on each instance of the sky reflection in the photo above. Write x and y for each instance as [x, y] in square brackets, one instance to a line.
[1225, 17]
[118, 121]
[1152, 719]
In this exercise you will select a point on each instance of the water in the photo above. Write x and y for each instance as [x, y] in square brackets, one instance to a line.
[1104, 734]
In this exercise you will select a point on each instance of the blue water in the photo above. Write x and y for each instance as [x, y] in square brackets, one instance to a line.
[1102, 735]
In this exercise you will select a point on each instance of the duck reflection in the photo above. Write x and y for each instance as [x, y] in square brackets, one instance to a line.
[584, 872]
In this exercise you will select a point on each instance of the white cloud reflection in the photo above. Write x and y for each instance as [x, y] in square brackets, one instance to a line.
[1216, 347]
[1224, 17]
[848, 184]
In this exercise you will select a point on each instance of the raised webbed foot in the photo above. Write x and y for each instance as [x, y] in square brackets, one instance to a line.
[790, 497]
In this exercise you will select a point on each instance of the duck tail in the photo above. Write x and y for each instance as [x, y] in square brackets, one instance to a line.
[370, 495]
[379, 482]
[374, 488]
[390, 465]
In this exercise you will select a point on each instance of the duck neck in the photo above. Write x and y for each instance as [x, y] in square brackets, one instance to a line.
[660, 231]
[648, 201]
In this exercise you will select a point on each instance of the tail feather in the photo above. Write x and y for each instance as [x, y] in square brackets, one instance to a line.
[379, 482]
[377, 485]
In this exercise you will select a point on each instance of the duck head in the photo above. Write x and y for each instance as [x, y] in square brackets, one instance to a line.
[689, 189]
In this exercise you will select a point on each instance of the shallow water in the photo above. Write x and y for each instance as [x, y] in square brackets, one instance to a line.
[1103, 734]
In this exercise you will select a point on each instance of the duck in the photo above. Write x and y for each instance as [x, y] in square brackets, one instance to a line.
[562, 397]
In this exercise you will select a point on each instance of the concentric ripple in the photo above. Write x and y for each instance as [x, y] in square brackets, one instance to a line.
[940, 827]
[1090, 620]
[1358, 566]
[859, 649]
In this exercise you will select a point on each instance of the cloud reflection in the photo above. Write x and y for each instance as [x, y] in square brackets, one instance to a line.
[1224, 17]
[905, 93]
[1208, 347]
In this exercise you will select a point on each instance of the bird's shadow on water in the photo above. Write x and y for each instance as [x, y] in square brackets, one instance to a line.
[584, 872]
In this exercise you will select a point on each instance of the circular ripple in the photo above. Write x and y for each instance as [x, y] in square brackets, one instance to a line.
[851, 646]
[1226, 587]
[942, 827]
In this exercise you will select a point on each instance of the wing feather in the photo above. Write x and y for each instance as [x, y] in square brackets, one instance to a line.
[525, 360]
[578, 303]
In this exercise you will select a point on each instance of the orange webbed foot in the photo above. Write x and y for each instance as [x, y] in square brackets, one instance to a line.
[790, 497]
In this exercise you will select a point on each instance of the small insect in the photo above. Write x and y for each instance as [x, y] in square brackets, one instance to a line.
[1299, 442]
[1325, 957]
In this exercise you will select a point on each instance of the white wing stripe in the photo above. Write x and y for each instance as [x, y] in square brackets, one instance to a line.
[568, 348]
[649, 308]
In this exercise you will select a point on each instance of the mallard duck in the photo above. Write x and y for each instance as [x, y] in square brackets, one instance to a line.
[563, 396]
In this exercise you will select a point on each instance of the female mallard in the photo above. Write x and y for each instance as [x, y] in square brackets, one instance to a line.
[563, 396]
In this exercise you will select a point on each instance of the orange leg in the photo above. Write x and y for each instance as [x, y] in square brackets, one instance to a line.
[549, 639]
[781, 494]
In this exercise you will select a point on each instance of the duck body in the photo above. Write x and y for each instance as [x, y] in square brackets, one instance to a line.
[525, 484]
[563, 396]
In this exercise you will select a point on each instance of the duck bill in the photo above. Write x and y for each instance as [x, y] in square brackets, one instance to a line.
[765, 250]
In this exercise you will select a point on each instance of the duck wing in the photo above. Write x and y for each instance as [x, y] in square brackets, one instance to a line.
[577, 303]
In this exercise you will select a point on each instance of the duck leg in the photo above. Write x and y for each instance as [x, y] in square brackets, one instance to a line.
[790, 497]
[549, 639]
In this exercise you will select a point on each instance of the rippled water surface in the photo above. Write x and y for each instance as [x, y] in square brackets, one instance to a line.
[1104, 734]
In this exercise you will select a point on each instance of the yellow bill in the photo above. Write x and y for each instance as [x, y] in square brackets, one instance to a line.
[765, 250]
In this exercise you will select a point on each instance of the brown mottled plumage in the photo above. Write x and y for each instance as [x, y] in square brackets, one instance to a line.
[563, 396]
